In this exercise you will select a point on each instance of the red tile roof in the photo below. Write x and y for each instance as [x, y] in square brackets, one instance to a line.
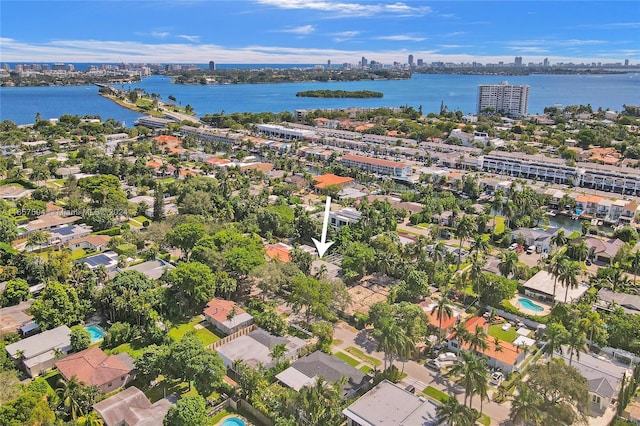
[92, 366]
[330, 179]
[219, 309]
[167, 139]
[279, 251]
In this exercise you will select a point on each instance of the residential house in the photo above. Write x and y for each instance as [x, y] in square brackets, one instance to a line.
[448, 321]
[255, 348]
[13, 192]
[587, 204]
[345, 216]
[603, 375]
[90, 242]
[108, 259]
[389, 404]
[38, 353]
[280, 251]
[541, 287]
[376, 165]
[93, 367]
[608, 300]
[153, 269]
[617, 207]
[632, 412]
[329, 180]
[62, 235]
[602, 250]
[48, 222]
[538, 237]
[629, 212]
[306, 370]
[227, 316]
[131, 407]
[555, 196]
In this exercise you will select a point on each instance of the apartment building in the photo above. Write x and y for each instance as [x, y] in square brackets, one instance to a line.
[504, 98]
[377, 165]
[286, 133]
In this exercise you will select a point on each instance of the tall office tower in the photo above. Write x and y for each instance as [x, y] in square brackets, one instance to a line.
[212, 65]
[329, 64]
[6, 67]
[546, 62]
[518, 61]
[503, 98]
[626, 62]
[420, 62]
[363, 62]
[411, 60]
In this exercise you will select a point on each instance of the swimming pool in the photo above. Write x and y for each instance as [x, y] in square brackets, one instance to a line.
[528, 304]
[95, 332]
[233, 421]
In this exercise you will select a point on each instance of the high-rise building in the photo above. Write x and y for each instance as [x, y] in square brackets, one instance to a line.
[503, 98]
[546, 62]
[420, 62]
[518, 61]
[626, 62]
[363, 62]
[410, 60]
[329, 64]
[212, 65]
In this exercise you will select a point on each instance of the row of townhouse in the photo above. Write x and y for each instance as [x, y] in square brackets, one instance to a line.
[623, 211]
[213, 134]
[622, 180]
[379, 166]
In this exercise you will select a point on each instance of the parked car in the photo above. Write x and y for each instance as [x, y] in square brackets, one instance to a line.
[513, 246]
[587, 262]
[447, 356]
[410, 388]
[433, 364]
[496, 378]
[531, 250]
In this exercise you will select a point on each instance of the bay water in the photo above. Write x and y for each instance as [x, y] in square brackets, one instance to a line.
[457, 92]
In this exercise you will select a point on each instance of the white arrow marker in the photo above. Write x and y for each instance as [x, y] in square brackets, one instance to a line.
[323, 245]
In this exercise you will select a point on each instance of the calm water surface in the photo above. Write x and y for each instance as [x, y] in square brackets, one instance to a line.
[426, 90]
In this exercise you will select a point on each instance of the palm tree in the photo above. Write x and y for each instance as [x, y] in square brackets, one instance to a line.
[479, 245]
[462, 335]
[465, 229]
[635, 265]
[576, 343]
[555, 336]
[471, 371]
[452, 413]
[556, 266]
[476, 270]
[569, 277]
[37, 238]
[496, 205]
[57, 353]
[559, 239]
[616, 277]
[525, 407]
[442, 309]
[70, 393]
[508, 262]
[478, 339]
[497, 345]
[388, 336]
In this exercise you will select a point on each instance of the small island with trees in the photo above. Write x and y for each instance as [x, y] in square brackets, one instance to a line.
[360, 94]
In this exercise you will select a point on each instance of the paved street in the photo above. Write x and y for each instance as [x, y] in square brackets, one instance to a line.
[417, 375]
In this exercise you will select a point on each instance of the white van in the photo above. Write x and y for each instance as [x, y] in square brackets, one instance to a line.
[531, 249]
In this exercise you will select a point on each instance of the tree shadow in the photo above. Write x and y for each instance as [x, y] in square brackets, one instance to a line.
[365, 340]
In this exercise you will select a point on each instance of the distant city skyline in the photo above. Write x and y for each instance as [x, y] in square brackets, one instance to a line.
[317, 31]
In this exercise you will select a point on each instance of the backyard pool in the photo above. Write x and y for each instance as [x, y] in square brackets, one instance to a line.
[95, 332]
[233, 421]
[528, 304]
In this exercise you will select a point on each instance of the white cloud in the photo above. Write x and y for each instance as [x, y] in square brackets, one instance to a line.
[191, 38]
[346, 34]
[302, 30]
[108, 51]
[344, 9]
[401, 37]
[159, 34]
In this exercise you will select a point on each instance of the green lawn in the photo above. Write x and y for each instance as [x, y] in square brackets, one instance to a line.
[138, 220]
[500, 221]
[364, 357]
[436, 394]
[365, 369]
[133, 349]
[166, 180]
[496, 331]
[78, 254]
[346, 358]
[206, 334]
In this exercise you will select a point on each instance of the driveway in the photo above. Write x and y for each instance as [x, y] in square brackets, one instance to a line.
[417, 374]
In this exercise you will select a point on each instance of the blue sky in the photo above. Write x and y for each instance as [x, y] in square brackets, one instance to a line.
[313, 31]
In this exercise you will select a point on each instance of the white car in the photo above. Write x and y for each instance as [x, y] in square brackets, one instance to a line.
[513, 246]
[433, 364]
[531, 250]
[447, 356]
[496, 378]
